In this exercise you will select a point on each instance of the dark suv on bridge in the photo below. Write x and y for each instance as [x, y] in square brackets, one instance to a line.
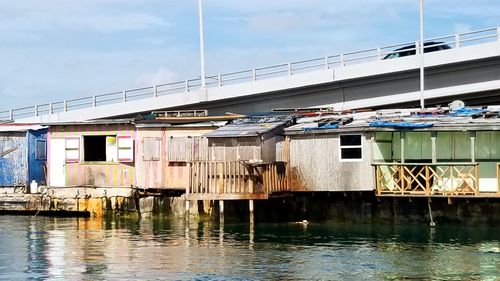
[410, 50]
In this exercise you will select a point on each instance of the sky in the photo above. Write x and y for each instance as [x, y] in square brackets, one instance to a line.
[53, 50]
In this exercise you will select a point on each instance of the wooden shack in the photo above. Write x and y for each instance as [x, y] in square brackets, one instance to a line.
[242, 161]
[406, 154]
[329, 158]
[22, 155]
[91, 154]
[166, 146]
[452, 159]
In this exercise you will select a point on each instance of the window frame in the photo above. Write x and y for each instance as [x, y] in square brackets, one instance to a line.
[360, 146]
[124, 148]
[78, 149]
[37, 157]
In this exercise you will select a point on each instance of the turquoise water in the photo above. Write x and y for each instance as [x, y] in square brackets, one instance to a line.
[41, 248]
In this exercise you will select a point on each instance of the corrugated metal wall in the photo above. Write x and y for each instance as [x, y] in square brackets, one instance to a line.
[13, 159]
[315, 165]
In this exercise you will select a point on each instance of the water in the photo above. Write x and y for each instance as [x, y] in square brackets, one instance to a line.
[41, 248]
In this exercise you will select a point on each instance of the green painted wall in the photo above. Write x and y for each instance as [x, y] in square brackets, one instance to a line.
[418, 146]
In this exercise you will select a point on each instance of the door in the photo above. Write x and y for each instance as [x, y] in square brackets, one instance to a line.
[57, 162]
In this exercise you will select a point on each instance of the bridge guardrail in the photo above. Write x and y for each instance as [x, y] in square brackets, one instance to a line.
[249, 75]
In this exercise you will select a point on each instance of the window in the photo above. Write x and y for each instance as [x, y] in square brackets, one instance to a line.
[72, 149]
[152, 148]
[94, 148]
[125, 149]
[108, 148]
[41, 150]
[185, 149]
[351, 148]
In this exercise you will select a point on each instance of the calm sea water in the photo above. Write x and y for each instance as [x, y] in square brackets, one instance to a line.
[41, 248]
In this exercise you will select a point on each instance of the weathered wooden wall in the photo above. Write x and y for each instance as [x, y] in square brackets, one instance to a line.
[13, 162]
[169, 170]
[243, 149]
[315, 165]
[98, 174]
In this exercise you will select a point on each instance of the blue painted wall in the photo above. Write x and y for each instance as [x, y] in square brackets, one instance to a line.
[37, 160]
[22, 165]
[13, 165]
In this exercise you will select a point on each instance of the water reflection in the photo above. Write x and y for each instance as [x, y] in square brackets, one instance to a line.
[166, 249]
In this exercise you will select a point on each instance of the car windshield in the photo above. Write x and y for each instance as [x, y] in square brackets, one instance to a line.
[411, 50]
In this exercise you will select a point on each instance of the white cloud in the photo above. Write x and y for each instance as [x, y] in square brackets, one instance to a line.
[461, 27]
[160, 76]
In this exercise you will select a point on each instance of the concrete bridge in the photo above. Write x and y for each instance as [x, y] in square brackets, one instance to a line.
[470, 71]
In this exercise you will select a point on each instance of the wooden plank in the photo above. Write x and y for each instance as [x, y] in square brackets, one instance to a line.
[232, 169]
[227, 196]
[190, 178]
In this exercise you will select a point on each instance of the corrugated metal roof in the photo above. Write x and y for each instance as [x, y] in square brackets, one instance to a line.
[189, 125]
[251, 126]
[441, 119]
[20, 127]
[243, 130]
[91, 122]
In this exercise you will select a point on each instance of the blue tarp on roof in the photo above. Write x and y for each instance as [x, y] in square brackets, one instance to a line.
[407, 125]
[323, 127]
[465, 112]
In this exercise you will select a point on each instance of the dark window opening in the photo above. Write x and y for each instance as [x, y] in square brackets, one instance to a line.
[350, 140]
[351, 148]
[41, 150]
[94, 148]
[351, 153]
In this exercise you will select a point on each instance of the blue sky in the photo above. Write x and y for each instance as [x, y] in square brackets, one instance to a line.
[59, 49]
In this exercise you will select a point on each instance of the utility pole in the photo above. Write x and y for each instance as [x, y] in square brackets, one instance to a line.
[202, 44]
[422, 85]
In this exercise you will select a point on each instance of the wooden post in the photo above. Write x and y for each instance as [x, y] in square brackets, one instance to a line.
[427, 181]
[250, 208]
[187, 209]
[402, 140]
[472, 146]
[433, 143]
[221, 211]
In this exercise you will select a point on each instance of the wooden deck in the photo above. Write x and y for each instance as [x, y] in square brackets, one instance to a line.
[235, 180]
[431, 180]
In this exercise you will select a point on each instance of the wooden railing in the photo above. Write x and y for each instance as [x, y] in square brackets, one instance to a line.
[446, 179]
[275, 177]
[235, 180]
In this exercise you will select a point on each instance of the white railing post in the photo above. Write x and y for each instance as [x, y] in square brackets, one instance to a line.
[498, 33]
[186, 86]
[124, 94]
[289, 69]
[417, 47]
[51, 108]
[155, 91]
[379, 54]
[65, 105]
[219, 80]
[457, 40]
[326, 63]
[11, 114]
[36, 110]
[94, 101]
[254, 75]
